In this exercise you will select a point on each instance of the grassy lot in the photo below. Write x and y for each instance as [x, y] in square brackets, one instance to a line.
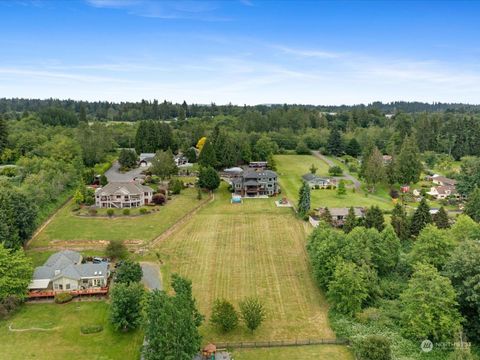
[330, 352]
[292, 167]
[250, 249]
[68, 227]
[65, 341]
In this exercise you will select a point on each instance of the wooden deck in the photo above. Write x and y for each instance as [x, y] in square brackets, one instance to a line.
[40, 294]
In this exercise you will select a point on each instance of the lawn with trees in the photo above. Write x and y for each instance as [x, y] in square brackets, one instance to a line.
[290, 169]
[255, 249]
[66, 226]
[63, 338]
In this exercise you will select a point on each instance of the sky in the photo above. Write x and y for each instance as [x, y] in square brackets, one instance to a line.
[241, 51]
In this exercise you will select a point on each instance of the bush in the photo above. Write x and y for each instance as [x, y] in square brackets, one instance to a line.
[116, 250]
[92, 212]
[175, 186]
[110, 212]
[162, 191]
[373, 347]
[126, 212]
[143, 211]
[63, 297]
[335, 171]
[8, 305]
[224, 315]
[159, 199]
[91, 329]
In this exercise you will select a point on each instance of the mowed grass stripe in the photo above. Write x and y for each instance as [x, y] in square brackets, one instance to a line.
[252, 249]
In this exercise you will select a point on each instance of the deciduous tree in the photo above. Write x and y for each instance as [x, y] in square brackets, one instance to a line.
[126, 307]
[252, 312]
[439, 319]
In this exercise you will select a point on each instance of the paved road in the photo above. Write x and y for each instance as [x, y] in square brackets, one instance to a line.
[346, 176]
[151, 276]
[113, 174]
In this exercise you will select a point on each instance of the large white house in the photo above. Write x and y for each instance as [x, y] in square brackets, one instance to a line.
[64, 271]
[123, 195]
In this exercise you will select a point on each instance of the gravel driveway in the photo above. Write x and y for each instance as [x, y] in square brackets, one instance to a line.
[151, 276]
[345, 176]
[114, 175]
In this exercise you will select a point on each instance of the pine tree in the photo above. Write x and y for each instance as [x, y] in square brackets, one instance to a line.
[353, 148]
[374, 218]
[83, 114]
[3, 134]
[326, 216]
[208, 157]
[420, 218]
[350, 221]
[313, 169]
[441, 219]
[400, 222]
[409, 166]
[304, 199]
[334, 145]
[472, 208]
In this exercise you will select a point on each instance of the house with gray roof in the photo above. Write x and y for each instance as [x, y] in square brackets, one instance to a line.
[255, 183]
[317, 182]
[123, 195]
[145, 159]
[64, 271]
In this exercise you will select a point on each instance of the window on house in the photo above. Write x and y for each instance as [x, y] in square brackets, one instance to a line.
[60, 286]
[67, 286]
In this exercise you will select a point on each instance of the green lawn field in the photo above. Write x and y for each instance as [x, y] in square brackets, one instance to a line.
[65, 340]
[66, 226]
[233, 251]
[317, 352]
[290, 169]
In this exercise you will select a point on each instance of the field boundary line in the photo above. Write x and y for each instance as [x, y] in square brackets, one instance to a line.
[280, 343]
[46, 222]
[178, 223]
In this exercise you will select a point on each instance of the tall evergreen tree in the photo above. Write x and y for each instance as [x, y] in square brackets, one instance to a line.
[409, 166]
[304, 199]
[441, 219]
[399, 222]
[421, 217]
[472, 208]
[3, 134]
[353, 148]
[334, 144]
[82, 116]
[350, 221]
[326, 216]
[374, 218]
[207, 156]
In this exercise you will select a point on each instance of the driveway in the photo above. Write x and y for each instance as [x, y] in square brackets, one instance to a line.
[151, 276]
[114, 175]
[346, 175]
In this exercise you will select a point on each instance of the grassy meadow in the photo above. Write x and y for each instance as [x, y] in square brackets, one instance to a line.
[233, 251]
[330, 352]
[64, 339]
[66, 226]
[290, 169]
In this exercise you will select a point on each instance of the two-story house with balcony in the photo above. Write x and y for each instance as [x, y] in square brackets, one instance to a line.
[123, 195]
[255, 183]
